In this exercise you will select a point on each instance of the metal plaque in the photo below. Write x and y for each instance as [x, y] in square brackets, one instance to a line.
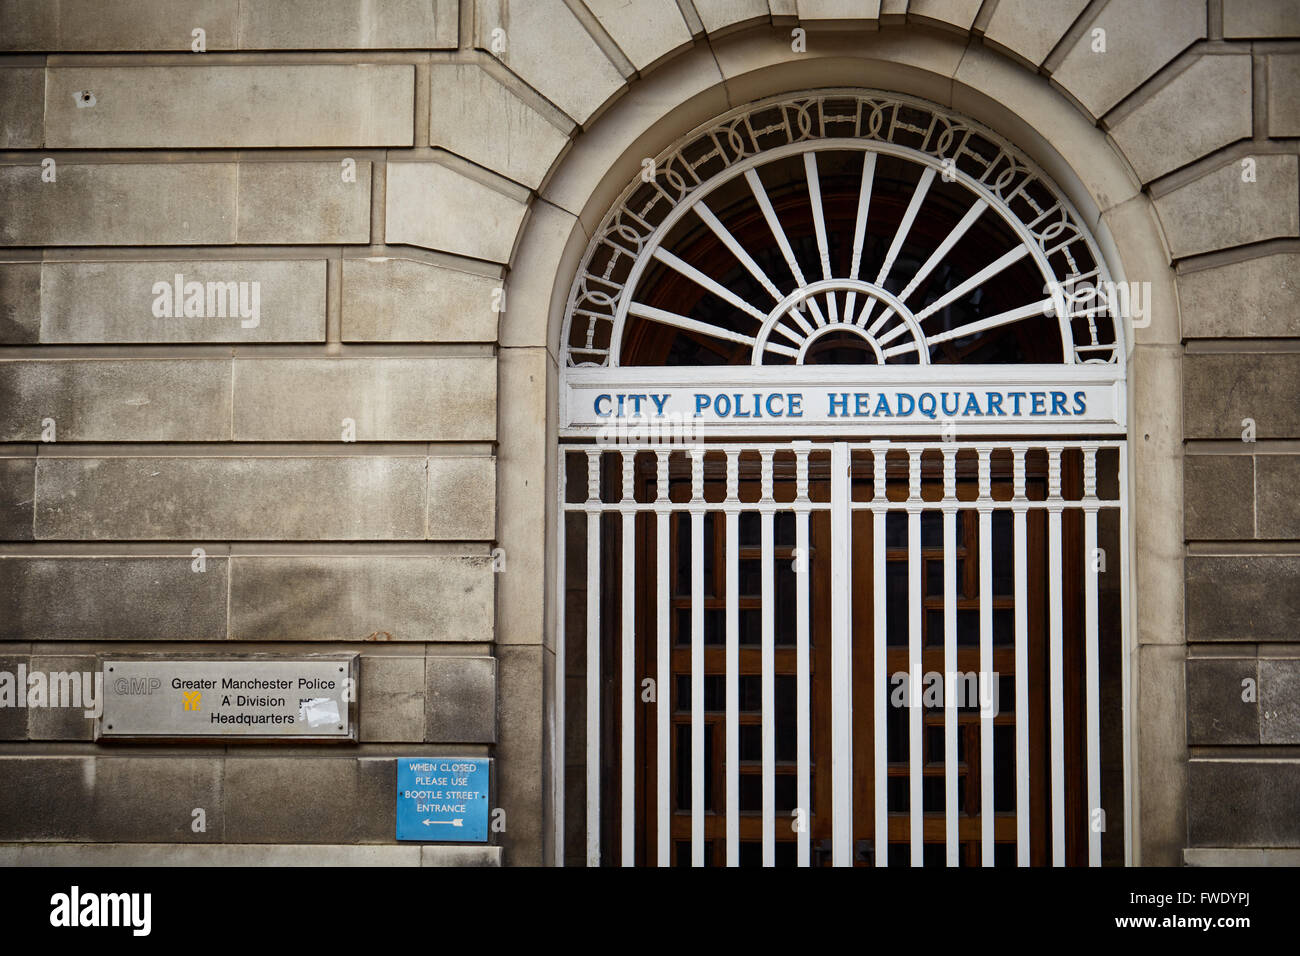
[253, 698]
[443, 799]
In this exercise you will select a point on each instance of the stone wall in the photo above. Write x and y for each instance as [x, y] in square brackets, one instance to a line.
[384, 171]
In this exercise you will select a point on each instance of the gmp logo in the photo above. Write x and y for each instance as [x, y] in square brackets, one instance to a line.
[136, 685]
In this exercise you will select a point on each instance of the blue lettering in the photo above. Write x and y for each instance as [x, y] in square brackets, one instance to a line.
[841, 402]
[956, 402]
[794, 402]
[775, 413]
[718, 407]
[660, 401]
[1015, 410]
[995, 402]
[1058, 403]
[1080, 406]
[1040, 403]
[861, 403]
[702, 402]
[882, 406]
[595, 406]
[972, 401]
[911, 404]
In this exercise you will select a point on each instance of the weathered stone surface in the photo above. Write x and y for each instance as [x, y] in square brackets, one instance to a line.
[1277, 507]
[1161, 727]
[1032, 28]
[386, 399]
[1156, 137]
[1135, 49]
[1221, 390]
[303, 203]
[266, 800]
[719, 14]
[22, 91]
[1243, 802]
[17, 494]
[552, 240]
[462, 499]
[348, 25]
[543, 43]
[957, 13]
[71, 695]
[131, 400]
[460, 856]
[847, 12]
[460, 700]
[20, 302]
[376, 808]
[183, 204]
[13, 720]
[94, 302]
[1284, 95]
[118, 598]
[644, 30]
[1252, 298]
[1218, 210]
[373, 597]
[126, 799]
[177, 107]
[1260, 18]
[1279, 701]
[1216, 712]
[405, 300]
[392, 698]
[520, 716]
[249, 499]
[435, 207]
[118, 204]
[1218, 498]
[474, 115]
[1249, 598]
[92, 26]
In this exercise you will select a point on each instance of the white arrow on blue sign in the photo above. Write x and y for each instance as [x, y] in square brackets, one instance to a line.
[443, 799]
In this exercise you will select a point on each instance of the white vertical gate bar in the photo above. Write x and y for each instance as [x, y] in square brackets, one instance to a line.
[733, 657]
[593, 658]
[1021, 548]
[803, 662]
[880, 674]
[1056, 651]
[1091, 691]
[697, 656]
[560, 723]
[663, 678]
[987, 679]
[841, 660]
[1126, 551]
[627, 767]
[767, 515]
[950, 653]
[915, 791]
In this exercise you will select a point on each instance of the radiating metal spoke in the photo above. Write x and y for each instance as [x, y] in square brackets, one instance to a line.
[904, 227]
[778, 233]
[704, 328]
[860, 226]
[819, 227]
[699, 278]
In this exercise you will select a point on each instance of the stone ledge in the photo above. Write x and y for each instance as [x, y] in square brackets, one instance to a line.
[1239, 856]
[244, 854]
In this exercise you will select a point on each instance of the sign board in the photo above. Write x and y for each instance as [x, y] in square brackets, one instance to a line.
[442, 799]
[662, 404]
[251, 698]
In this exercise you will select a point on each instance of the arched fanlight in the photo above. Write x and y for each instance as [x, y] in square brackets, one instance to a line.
[844, 216]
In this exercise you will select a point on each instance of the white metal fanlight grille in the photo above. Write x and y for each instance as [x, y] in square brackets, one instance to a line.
[943, 168]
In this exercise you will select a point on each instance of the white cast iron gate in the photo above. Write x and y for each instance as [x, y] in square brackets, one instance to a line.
[882, 533]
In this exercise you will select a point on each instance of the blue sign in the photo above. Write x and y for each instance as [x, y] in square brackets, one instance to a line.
[442, 799]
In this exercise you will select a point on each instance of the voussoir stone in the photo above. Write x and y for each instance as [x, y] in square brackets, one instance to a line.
[644, 30]
[399, 598]
[472, 114]
[1220, 210]
[115, 400]
[404, 300]
[720, 14]
[957, 13]
[1032, 28]
[544, 43]
[433, 206]
[108, 302]
[175, 107]
[249, 499]
[1140, 38]
[1156, 137]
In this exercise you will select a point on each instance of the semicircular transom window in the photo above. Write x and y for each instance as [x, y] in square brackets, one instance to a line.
[844, 228]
